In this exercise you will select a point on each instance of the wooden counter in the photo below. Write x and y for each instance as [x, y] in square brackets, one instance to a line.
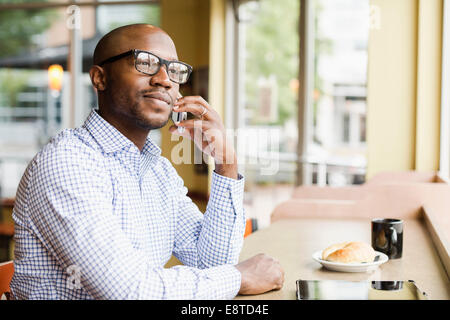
[293, 241]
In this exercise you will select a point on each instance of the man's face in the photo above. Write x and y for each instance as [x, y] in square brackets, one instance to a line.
[144, 100]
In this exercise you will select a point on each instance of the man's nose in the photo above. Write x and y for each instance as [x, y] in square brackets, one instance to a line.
[161, 78]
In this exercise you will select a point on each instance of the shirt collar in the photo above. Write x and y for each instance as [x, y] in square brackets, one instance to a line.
[112, 140]
[151, 148]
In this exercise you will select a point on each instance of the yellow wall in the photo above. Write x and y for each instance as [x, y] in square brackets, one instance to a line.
[217, 54]
[217, 63]
[187, 22]
[429, 84]
[404, 86]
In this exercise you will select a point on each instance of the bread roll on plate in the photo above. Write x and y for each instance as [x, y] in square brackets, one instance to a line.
[349, 252]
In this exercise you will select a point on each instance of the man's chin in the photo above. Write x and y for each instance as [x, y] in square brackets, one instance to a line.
[150, 117]
[151, 124]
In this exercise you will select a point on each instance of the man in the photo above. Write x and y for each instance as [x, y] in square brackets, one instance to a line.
[99, 211]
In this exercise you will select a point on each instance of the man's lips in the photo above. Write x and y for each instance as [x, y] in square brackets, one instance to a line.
[159, 96]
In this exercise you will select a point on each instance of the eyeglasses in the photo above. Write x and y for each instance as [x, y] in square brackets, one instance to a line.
[149, 63]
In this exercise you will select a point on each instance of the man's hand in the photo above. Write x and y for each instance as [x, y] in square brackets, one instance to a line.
[208, 133]
[260, 274]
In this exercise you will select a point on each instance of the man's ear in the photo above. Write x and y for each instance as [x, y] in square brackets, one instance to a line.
[98, 77]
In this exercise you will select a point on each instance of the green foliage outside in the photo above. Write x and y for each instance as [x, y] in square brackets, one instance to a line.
[148, 14]
[322, 46]
[272, 48]
[11, 83]
[152, 15]
[18, 34]
[18, 27]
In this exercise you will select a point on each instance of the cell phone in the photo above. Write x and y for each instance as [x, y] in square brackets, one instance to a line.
[179, 116]
[358, 290]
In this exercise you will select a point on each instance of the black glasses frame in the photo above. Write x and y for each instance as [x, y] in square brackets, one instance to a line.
[135, 53]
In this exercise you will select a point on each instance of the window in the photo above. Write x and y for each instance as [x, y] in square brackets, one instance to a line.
[266, 111]
[362, 128]
[341, 33]
[30, 112]
[112, 16]
[346, 128]
[445, 101]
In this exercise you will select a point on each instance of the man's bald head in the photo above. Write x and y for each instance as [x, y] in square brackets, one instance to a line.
[128, 98]
[125, 38]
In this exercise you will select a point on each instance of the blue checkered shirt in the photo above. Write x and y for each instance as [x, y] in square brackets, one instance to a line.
[96, 218]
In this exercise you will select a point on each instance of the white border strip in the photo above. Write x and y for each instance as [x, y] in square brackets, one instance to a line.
[444, 167]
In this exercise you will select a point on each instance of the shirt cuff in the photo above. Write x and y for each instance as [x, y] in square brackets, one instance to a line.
[224, 189]
[227, 281]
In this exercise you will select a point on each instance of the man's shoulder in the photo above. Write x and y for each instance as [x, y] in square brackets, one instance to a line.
[68, 160]
[69, 146]
[166, 166]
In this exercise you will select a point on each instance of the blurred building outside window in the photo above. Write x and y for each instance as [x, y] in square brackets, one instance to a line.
[444, 167]
[339, 98]
[29, 113]
[268, 58]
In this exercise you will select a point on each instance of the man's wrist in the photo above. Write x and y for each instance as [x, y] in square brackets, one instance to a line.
[243, 284]
[229, 170]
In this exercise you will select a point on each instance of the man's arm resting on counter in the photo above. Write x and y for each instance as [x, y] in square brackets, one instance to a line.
[260, 273]
[72, 214]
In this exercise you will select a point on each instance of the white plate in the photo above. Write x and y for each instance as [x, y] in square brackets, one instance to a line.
[351, 267]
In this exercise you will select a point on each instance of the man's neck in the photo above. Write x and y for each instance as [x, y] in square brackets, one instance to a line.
[136, 135]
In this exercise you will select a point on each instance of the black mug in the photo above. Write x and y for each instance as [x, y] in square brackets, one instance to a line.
[387, 237]
[387, 285]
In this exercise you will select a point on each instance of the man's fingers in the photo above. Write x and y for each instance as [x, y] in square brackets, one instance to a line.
[193, 100]
[195, 109]
[191, 123]
[281, 279]
[260, 274]
[195, 123]
[195, 105]
[187, 133]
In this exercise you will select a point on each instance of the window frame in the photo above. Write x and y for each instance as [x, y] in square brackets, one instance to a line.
[444, 166]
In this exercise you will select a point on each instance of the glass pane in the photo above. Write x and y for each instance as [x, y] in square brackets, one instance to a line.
[339, 97]
[112, 16]
[30, 111]
[444, 167]
[269, 56]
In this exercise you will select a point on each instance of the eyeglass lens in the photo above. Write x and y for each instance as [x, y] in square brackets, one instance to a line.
[150, 64]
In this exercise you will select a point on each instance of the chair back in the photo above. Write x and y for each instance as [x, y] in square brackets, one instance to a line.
[6, 274]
